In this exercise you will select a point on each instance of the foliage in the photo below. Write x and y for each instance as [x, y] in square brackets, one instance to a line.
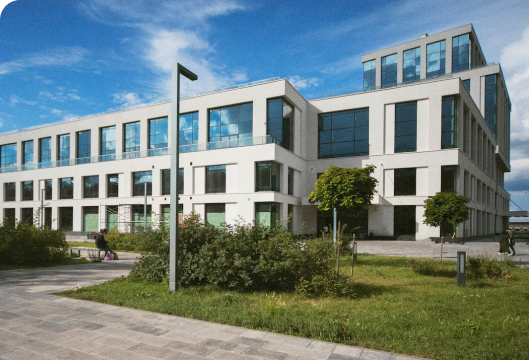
[483, 267]
[26, 245]
[327, 285]
[348, 190]
[144, 241]
[432, 268]
[445, 210]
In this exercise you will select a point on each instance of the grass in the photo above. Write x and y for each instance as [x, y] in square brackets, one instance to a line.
[395, 309]
[67, 261]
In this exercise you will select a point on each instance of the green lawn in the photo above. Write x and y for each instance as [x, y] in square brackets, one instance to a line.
[67, 261]
[394, 310]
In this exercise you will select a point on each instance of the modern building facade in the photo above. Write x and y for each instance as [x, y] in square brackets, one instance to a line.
[433, 116]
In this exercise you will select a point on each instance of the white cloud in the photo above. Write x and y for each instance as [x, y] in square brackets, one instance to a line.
[300, 83]
[57, 57]
[124, 99]
[61, 95]
[17, 100]
[56, 111]
[70, 117]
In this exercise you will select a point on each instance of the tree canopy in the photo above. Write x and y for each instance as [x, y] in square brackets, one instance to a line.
[445, 209]
[346, 189]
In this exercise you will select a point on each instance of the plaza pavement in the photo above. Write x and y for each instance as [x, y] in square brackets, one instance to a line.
[36, 325]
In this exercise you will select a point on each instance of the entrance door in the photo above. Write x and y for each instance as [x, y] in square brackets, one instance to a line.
[404, 222]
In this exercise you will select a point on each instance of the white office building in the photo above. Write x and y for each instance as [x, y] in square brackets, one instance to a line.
[433, 116]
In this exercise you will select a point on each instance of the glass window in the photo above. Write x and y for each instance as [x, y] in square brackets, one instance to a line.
[112, 217]
[490, 102]
[370, 70]
[267, 176]
[460, 53]
[66, 218]
[411, 66]
[9, 191]
[45, 152]
[91, 186]
[26, 215]
[290, 181]
[9, 215]
[66, 188]
[449, 123]
[108, 143]
[280, 122]
[389, 70]
[405, 182]
[166, 214]
[188, 134]
[231, 123]
[138, 217]
[27, 190]
[139, 179]
[91, 218]
[8, 155]
[448, 179]
[406, 127]
[83, 147]
[435, 59]
[63, 151]
[158, 144]
[343, 133]
[113, 185]
[47, 217]
[166, 181]
[131, 145]
[404, 220]
[216, 214]
[27, 152]
[467, 84]
[216, 179]
[266, 214]
[48, 189]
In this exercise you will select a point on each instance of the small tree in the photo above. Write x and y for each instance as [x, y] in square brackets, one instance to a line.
[445, 210]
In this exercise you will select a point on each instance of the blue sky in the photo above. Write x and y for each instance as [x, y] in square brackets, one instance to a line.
[64, 59]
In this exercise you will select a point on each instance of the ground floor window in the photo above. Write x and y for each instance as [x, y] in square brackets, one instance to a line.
[404, 221]
[139, 222]
[266, 214]
[26, 215]
[165, 217]
[290, 216]
[91, 218]
[112, 217]
[9, 215]
[350, 222]
[47, 217]
[216, 214]
[66, 218]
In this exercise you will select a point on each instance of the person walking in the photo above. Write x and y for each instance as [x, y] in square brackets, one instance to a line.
[510, 233]
[101, 243]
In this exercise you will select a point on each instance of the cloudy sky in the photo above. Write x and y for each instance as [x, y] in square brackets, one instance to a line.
[64, 59]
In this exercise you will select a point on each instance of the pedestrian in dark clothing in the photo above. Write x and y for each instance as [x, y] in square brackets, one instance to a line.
[510, 233]
[101, 243]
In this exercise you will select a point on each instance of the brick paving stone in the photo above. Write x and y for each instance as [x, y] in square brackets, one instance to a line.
[227, 355]
[335, 356]
[322, 346]
[351, 351]
[24, 354]
[147, 329]
[214, 334]
[150, 339]
[85, 334]
[80, 344]
[185, 356]
[116, 342]
[224, 345]
[70, 354]
[5, 315]
[270, 354]
[156, 351]
[256, 343]
[42, 347]
[183, 336]
[195, 349]
[374, 355]
[303, 352]
[115, 353]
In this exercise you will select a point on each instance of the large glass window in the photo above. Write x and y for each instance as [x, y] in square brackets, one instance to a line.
[27, 190]
[404, 221]
[188, 131]
[230, 124]
[166, 181]
[405, 182]
[460, 53]
[449, 123]
[216, 179]
[343, 133]
[139, 179]
[448, 179]
[112, 217]
[166, 214]
[27, 153]
[48, 188]
[83, 147]
[435, 59]
[490, 102]
[63, 151]
[266, 214]
[26, 215]
[370, 71]
[66, 188]
[267, 176]
[406, 127]
[389, 70]
[411, 66]
[139, 221]
[8, 155]
[45, 152]
[216, 214]
[47, 217]
[9, 215]
[131, 145]
[113, 185]
[158, 144]
[280, 124]
[66, 218]
[90, 218]
[10, 191]
[108, 143]
[91, 186]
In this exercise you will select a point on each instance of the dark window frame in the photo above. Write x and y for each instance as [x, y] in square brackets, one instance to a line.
[66, 188]
[388, 71]
[27, 156]
[27, 190]
[10, 189]
[156, 131]
[216, 126]
[48, 189]
[107, 148]
[138, 189]
[459, 52]
[281, 128]
[408, 127]
[431, 58]
[216, 179]
[166, 181]
[91, 187]
[411, 72]
[111, 185]
[405, 182]
[135, 139]
[369, 74]
[267, 176]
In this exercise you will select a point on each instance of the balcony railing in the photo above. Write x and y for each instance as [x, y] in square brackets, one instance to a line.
[259, 140]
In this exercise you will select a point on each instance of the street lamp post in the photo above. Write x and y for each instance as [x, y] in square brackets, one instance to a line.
[175, 122]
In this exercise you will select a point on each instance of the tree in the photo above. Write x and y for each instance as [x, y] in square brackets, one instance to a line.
[445, 210]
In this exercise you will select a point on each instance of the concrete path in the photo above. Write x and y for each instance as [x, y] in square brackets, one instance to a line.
[36, 325]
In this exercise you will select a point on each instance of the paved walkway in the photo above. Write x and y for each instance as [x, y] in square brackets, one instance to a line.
[36, 325]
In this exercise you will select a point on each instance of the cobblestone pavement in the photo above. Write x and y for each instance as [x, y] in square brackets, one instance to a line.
[36, 325]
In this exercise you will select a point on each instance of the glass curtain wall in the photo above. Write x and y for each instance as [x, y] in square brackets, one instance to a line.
[370, 71]
[389, 70]
[490, 102]
[460, 53]
[83, 147]
[131, 143]
[158, 144]
[343, 133]
[280, 122]
[232, 125]
[188, 134]
[411, 67]
[45, 153]
[108, 143]
[406, 127]
[64, 150]
[435, 59]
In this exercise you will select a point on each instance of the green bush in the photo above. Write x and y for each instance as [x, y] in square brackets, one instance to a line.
[482, 267]
[23, 244]
[144, 241]
[433, 267]
[326, 285]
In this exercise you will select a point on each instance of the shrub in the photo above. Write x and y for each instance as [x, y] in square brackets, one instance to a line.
[482, 267]
[432, 267]
[326, 285]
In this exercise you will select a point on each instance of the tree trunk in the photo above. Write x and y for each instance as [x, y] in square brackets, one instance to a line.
[338, 250]
[442, 243]
[353, 255]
